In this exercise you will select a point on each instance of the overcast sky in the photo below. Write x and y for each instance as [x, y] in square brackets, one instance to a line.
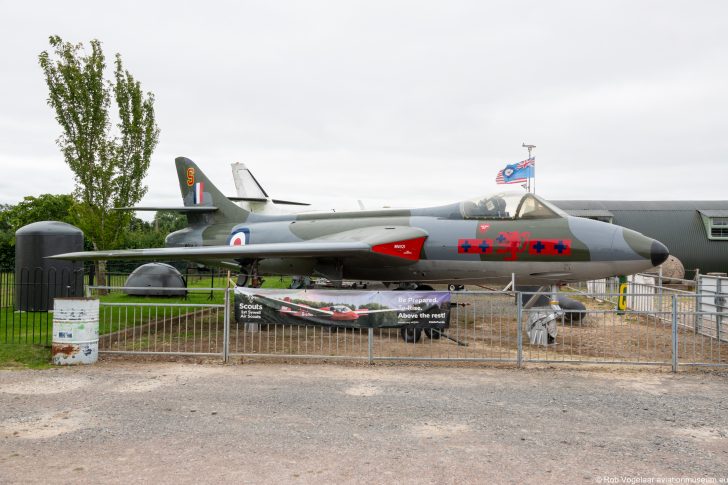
[404, 103]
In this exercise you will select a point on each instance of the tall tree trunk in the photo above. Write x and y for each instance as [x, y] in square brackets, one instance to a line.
[100, 267]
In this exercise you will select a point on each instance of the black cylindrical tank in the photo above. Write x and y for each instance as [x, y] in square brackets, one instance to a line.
[39, 280]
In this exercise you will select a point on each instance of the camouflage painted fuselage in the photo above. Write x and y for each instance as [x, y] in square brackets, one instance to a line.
[455, 250]
[482, 240]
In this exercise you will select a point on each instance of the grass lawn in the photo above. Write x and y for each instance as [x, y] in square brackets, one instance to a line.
[24, 356]
[25, 335]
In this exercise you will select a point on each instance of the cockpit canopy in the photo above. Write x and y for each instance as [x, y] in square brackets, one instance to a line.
[510, 205]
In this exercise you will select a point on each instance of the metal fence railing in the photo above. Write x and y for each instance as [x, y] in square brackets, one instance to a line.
[298, 341]
[193, 325]
[668, 335]
[644, 292]
[27, 295]
[601, 334]
[484, 326]
[702, 309]
[167, 328]
[712, 297]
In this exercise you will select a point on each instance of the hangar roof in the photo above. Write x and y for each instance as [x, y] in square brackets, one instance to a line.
[714, 213]
[589, 213]
[642, 205]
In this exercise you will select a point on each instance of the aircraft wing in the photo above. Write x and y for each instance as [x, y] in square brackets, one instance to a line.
[367, 312]
[281, 303]
[400, 243]
[252, 251]
[190, 208]
[262, 199]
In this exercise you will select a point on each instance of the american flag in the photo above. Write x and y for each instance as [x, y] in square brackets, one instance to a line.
[514, 169]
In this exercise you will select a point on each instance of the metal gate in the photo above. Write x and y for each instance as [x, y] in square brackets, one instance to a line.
[712, 303]
[485, 326]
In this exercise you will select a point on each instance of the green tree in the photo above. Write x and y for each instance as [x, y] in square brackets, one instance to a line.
[169, 221]
[7, 237]
[108, 164]
[142, 234]
[45, 207]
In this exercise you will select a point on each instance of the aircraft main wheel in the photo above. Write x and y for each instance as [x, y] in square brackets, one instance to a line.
[242, 280]
[424, 288]
[433, 333]
[455, 287]
[410, 335]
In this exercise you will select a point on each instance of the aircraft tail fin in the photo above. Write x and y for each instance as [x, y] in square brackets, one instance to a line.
[250, 194]
[198, 191]
[253, 197]
[246, 184]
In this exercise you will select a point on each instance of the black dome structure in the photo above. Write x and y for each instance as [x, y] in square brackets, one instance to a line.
[150, 279]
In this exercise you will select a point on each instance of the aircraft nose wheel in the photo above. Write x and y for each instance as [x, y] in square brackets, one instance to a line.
[410, 335]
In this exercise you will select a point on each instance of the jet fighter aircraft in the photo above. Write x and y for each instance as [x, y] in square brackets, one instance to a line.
[484, 240]
[337, 313]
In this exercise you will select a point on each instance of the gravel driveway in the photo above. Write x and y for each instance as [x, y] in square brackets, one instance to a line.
[310, 423]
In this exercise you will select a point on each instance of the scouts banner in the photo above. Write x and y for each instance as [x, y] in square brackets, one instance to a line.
[347, 308]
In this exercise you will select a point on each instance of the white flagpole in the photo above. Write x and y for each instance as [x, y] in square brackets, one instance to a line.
[531, 147]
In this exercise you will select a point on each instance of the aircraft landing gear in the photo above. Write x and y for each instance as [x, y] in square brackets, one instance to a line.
[242, 279]
[249, 274]
[413, 335]
[410, 335]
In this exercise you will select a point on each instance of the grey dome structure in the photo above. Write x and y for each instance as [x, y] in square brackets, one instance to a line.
[148, 279]
[39, 280]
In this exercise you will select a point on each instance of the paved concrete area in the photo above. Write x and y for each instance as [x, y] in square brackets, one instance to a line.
[275, 423]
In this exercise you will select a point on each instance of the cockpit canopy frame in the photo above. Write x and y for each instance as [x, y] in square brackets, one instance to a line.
[510, 206]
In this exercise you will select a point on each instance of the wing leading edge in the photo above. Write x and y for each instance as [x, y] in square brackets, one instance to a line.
[189, 208]
[270, 250]
[402, 243]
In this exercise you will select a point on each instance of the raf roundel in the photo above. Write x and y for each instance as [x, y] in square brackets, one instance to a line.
[239, 237]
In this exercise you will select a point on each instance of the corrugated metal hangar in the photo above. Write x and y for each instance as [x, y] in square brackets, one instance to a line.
[696, 232]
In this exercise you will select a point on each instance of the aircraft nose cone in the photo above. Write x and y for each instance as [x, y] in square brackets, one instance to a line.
[658, 253]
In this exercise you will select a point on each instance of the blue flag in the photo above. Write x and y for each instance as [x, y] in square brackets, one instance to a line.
[517, 173]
